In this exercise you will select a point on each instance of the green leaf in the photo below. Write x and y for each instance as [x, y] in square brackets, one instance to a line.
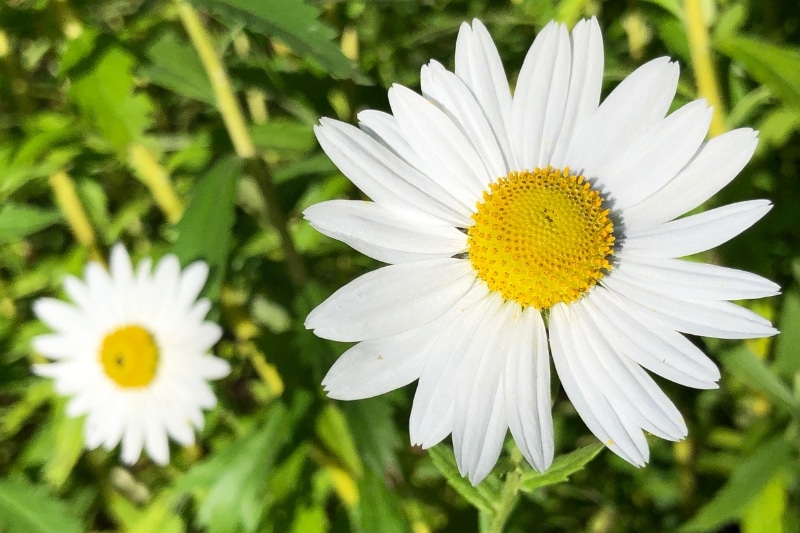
[765, 514]
[745, 484]
[18, 221]
[294, 22]
[312, 519]
[26, 508]
[205, 230]
[174, 65]
[787, 363]
[68, 447]
[331, 427]
[279, 134]
[379, 508]
[234, 480]
[749, 369]
[103, 87]
[563, 467]
[774, 66]
[445, 461]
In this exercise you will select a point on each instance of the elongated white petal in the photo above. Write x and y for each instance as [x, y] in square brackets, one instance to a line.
[585, 82]
[526, 382]
[454, 97]
[60, 316]
[385, 177]
[694, 281]
[448, 155]
[383, 128]
[478, 413]
[540, 97]
[383, 234]
[653, 160]
[707, 318]
[479, 65]
[647, 342]
[626, 386]
[614, 430]
[696, 233]
[155, 438]
[633, 107]
[378, 366]
[432, 411]
[391, 300]
[717, 162]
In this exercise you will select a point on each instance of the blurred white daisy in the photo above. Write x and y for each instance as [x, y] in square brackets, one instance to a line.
[522, 227]
[132, 352]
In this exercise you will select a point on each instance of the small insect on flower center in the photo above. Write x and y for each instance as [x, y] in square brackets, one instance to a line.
[541, 237]
[130, 356]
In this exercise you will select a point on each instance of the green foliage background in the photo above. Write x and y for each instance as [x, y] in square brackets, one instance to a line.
[112, 98]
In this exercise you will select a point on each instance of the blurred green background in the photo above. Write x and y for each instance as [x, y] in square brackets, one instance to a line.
[108, 105]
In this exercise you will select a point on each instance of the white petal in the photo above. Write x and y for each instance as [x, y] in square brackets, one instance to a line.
[479, 423]
[540, 96]
[375, 367]
[585, 82]
[133, 439]
[121, 274]
[526, 381]
[58, 346]
[391, 300]
[694, 281]
[95, 306]
[155, 440]
[695, 233]
[659, 349]
[101, 287]
[448, 154]
[192, 281]
[478, 64]
[715, 165]
[383, 128]
[454, 97]
[432, 411]
[385, 177]
[384, 234]
[626, 386]
[613, 429]
[653, 160]
[62, 317]
[707, 318]
[634, 106]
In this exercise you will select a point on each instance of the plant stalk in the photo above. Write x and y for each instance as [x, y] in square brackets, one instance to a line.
[70, 205]
[705, 76]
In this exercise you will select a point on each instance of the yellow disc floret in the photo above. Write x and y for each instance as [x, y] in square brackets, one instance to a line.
[130, 356]
[541, 237]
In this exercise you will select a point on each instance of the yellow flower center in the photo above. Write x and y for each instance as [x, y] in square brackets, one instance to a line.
[130, 356]
[541, 237]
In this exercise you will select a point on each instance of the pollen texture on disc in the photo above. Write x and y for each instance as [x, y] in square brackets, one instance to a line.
[541, 237]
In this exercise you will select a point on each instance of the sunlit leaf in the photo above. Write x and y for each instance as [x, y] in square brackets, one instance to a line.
[765, 514]
[174, 65]
[787, 344]
[445, 461]
[18, 221]
[752, 371]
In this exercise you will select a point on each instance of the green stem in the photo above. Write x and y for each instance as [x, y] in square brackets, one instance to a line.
[507, 503]
[236, 125]
[707, 86]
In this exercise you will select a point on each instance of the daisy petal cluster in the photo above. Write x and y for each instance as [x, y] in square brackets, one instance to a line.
[131, 352]
[529, 227]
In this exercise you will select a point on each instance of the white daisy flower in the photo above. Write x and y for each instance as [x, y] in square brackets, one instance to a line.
[132, 352]
[528, 226]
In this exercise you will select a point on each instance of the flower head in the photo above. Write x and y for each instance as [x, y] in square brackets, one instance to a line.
[131, 351]
[543, 224]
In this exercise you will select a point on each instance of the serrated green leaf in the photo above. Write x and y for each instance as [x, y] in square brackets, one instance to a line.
[294, 22]
[744, 485]
[374, 432]
[174, 65]
[563, 467]
[18, 221]
[103, 87]
[774, 66]
[204, 232]
[379, 509]
[27, 508]
[750, 370]
[446, 463]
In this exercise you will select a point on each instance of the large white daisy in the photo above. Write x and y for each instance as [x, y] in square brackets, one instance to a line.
[522, 227]
[132, 352]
